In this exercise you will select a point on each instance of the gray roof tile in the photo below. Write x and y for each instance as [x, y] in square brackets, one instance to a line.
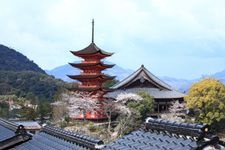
[155, 92]
[5, 133]
[142, 72]
[162, 136]
[50, 138]
[150, 140]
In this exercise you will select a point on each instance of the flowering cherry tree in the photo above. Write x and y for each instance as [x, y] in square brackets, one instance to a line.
[126, 97]
[80, 103]
[176, 107]
[175, 110]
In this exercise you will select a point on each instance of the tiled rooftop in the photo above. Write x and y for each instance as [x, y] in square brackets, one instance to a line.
[157, 134]
[165, 135]
[51, 138]
[142, 140]
[5, 133]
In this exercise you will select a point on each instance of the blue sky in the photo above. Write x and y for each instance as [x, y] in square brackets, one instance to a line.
[176, 38]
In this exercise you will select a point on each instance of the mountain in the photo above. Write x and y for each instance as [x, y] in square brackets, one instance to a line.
[220, 75]
[21, 77]
[181, 85]
[184, 85]
[11, 60]
[61, 72]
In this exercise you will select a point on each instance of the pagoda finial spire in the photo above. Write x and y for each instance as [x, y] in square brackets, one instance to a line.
[92, 39]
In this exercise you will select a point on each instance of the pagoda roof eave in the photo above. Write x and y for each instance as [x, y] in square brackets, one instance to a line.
[85, 89]
[91, 49]
[91, 89]
[103, 76]
[80, 65]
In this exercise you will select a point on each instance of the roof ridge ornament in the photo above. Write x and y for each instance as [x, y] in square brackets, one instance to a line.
[186, 129]
[93, 23]
[75, 137]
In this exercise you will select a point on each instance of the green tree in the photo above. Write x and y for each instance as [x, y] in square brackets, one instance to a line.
[128, 122]
[207, 99]
[33, 86]
[145, 106]
[44, 110]
[110, 83]
[4, 109]
[28, 113]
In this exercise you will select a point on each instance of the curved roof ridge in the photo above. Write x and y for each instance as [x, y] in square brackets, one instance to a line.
[81, 139]
[119, 84]
[156, 78]
[179, 128]
[150, 75]
[8, 124]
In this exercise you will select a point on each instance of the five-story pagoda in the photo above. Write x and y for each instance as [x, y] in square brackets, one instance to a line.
[91, 77]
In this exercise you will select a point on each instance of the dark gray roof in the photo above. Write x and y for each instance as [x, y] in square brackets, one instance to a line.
[155, 87]
[151, 140]
[142, 73]
[49, 137]
[44, 141]
[5, 133]
[155, 92]
[7, 129]
[166, 135]
[157, 134]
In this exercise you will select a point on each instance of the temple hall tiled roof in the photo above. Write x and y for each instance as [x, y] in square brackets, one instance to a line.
[155, 92]
[142, 74]
[143, 80]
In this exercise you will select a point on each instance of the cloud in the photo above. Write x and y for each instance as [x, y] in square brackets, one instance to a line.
[162, 34]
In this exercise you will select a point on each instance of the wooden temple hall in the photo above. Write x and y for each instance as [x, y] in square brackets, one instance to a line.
[144, 80]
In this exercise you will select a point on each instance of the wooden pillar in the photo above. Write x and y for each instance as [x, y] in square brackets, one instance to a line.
[158, 108]
[166, 106]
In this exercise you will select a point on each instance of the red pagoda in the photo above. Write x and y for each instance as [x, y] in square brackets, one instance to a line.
[91, 77]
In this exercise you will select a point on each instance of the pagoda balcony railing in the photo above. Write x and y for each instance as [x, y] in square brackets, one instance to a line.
[88, 86]
[90, 73]
[90, 61]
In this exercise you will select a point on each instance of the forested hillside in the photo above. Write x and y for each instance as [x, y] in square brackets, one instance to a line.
[21, 77]
[29, 84]
[11, 60]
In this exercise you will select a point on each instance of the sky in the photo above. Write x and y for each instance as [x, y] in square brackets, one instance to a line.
[175, 38]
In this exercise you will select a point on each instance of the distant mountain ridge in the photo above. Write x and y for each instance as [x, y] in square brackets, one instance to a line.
[181, 85]
[11, 60]
[184, 85]
[61, 72]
